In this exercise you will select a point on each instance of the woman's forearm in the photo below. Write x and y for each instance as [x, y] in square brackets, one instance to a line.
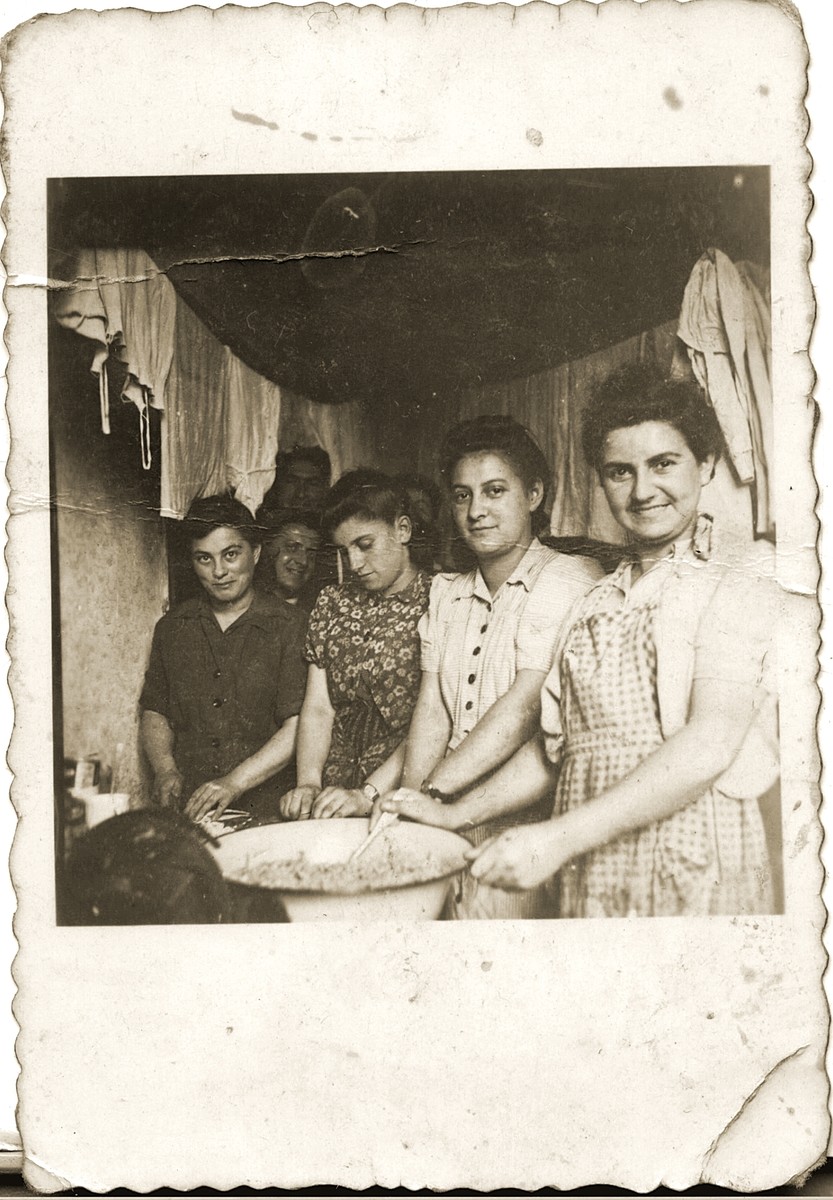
[510, 722]
[386, 777]
[157, 742]
[271, 758]
[428, 735]
[672, 776]
[526, 778]
[315, 731]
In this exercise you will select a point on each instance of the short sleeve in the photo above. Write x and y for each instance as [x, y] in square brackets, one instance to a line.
[431, 626]
[293, 675]
[557, 589]
[551, 725]
[318, 628]
[155, 695]
[734, 641]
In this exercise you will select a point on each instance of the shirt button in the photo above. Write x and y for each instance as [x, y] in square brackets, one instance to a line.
[469, 705]
[472, 678]
[215, 742]
[488, 608]
[483, 628]
[217, 673]
[476, 650]
[217, 702]
[368, 636]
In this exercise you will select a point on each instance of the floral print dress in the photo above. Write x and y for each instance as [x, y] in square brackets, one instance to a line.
[369, 647]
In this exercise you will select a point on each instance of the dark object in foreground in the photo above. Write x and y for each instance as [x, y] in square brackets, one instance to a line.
[152, 868]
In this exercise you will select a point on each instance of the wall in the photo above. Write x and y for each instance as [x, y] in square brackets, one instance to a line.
[112, 572]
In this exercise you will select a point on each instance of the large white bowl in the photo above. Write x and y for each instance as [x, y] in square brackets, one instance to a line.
[333, 841]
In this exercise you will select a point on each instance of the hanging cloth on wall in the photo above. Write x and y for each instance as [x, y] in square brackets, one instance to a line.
[78, 305]
[194, 420]
[120, 300]
[253, 412]
[725, 324]
[220, 426]
[219, 418]
[345, 431]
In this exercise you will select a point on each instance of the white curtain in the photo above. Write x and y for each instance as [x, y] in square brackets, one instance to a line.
[220, 419]
[345, 431]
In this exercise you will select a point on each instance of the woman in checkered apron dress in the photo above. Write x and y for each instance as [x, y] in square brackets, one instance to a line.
[659, 716]
[708, 857]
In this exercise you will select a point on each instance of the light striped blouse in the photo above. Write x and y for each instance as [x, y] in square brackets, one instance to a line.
[477, 642]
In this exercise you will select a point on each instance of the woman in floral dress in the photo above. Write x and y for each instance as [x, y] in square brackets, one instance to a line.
[362, 646]
[659, 716]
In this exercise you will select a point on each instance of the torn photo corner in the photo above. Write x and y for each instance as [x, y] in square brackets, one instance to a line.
[349, 229]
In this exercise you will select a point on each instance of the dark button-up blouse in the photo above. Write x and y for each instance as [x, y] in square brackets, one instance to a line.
[225, 692]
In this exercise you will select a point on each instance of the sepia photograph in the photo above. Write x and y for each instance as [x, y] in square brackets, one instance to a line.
[414, 588]
[454, 491]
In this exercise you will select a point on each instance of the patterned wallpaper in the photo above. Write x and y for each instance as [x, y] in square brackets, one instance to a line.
[112, 582]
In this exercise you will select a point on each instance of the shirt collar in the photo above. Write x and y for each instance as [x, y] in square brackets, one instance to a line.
[522, 574]
[699, 549]
[404, 595]
[259, 612]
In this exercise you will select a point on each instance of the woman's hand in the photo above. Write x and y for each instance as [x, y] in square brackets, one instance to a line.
[167, 789]
[214, 796]
[340, 802]
[520, 858]
[415, 806]
[297, 804]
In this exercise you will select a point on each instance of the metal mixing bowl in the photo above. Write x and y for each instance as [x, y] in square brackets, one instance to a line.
[332, 841]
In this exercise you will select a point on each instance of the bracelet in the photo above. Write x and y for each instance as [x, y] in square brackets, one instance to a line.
[370, 793]
[436, 793]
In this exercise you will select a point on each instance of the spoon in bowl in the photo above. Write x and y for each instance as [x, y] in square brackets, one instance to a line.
[386, 820]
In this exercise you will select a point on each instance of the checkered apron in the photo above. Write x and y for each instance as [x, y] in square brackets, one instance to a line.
[708, 857]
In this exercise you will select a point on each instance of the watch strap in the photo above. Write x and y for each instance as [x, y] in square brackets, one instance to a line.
[370, 792]
[436, 793]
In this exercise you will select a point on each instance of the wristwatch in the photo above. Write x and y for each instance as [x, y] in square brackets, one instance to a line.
[436, 793]
[370, 793]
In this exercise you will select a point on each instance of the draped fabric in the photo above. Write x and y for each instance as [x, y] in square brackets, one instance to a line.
[195, 418]
[220, 426]
[253, 410]
[222, 423]
[725, 324]
[345, 431]
[220, 419]
[121, 301]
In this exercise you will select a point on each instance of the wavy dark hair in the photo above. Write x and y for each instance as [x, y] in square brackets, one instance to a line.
[218, 512]
[506, 437]
[375, 496]
[639, 393]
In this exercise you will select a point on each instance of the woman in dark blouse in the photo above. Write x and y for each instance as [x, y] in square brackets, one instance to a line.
[362, 646]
